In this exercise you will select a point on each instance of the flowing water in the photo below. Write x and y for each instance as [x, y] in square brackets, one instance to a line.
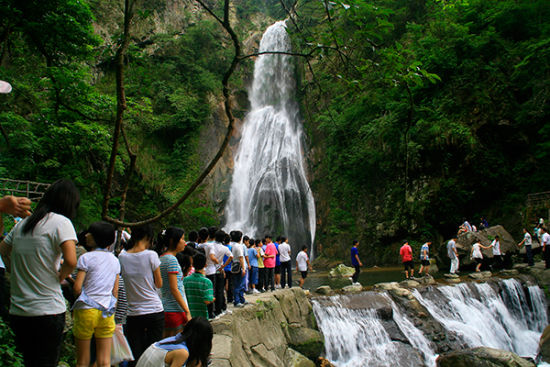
[269, 191]
[502, 314]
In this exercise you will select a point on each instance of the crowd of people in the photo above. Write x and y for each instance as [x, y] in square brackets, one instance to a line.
[163, 289]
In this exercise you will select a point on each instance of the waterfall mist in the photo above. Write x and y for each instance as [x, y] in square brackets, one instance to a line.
[269, 192]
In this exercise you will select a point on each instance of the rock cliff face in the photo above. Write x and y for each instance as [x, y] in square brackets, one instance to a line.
[482, 357]
[278, 329]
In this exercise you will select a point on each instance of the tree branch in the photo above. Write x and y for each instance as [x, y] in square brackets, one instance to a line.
[231, 120]
[121, 102]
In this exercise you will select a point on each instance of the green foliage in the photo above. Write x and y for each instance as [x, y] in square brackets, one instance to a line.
[8, 355]
[427, 112]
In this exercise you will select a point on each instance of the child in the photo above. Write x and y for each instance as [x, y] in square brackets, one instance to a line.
[190, 348]
[97, 286]
[198, 288]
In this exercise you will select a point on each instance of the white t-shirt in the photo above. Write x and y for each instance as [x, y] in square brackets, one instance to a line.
[137, 270]
[496, 247]
[35, 260]
[284, 252]
[101, 269]
[219, 252]
[476, 251]
[301, 259]
[546, 238]
[527, 238]
[237, 251]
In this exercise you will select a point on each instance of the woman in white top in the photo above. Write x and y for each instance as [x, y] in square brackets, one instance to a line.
[34, 248]
[140, 268]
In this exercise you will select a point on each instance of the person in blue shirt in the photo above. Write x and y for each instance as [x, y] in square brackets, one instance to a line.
[277, 264]
[425, 258]
[190, 348]
[355, 262]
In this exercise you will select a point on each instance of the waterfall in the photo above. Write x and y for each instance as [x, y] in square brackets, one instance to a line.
[499, 314]
[269, 192]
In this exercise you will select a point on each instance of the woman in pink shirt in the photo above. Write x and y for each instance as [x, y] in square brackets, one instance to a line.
[269, 261]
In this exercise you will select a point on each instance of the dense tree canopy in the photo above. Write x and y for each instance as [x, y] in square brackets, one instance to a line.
[418, 112]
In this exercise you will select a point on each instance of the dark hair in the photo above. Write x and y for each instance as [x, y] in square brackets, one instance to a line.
[245, 238]
[267, 236]
[185, 262]
[212, 233]
[203, 234]
[197, 335]
[236, 236]
[219, 236]
[139, 233]
[169, 238]
[199, 261]
[304, 247]
[61, 197]
[283, 239]
[193, 236]
[81, 237]
[226, 239]
[355, 242]
[103, 234]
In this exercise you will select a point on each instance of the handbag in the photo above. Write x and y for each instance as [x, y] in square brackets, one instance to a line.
[120, 351]
[235, 267]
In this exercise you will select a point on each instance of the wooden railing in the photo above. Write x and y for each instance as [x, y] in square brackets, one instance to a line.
[32, 190]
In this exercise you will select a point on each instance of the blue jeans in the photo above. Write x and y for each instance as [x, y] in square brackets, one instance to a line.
[238, 288]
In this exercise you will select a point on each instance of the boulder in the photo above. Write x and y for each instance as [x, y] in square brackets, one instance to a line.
[544, 345]
[453, 280]
[354, 288]
[307, 341]
[434, 269]
[386, 286]
[296, 359]
[509, 272]
[409, 283]
[426, 280]
[480, 275]
[449, 275]
[341, 271]
[324, 289]
[482, 357]
[402, 292]
[485, 237]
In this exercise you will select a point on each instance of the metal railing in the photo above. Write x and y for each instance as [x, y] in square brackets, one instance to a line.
[32, 190]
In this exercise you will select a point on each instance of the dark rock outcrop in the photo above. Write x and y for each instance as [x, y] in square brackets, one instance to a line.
[482, 357]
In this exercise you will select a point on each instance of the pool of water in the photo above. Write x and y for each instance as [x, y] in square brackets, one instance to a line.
[367, 277]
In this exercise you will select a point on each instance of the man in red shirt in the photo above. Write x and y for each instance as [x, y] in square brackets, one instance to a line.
[407, 259]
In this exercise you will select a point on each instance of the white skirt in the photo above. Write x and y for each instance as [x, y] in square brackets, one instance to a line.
[152, 357]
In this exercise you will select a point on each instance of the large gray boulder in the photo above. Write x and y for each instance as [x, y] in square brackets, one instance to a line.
[482, 357]
[485, 237]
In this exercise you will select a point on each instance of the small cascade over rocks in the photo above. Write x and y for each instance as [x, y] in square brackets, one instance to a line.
[381, 328]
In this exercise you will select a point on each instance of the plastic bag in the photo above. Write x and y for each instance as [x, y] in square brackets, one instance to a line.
[120, 351]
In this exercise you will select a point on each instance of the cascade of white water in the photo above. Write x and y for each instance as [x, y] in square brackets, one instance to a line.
[356, 337]
[501, 315]
[414, 335]
[481, 316]
[269, 191]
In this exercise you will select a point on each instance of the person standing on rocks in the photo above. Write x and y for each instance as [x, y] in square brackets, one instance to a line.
[199, 290]
[453, 255]
[476, 255]
[355, 262]
[545, 242]
[497, 255]
[527, 242]
[286, 265]
[303, 265]
[425, 258]
[407, 259]
[269, 262]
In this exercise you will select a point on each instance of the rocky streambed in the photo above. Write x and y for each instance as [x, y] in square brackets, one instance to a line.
[481, 319]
